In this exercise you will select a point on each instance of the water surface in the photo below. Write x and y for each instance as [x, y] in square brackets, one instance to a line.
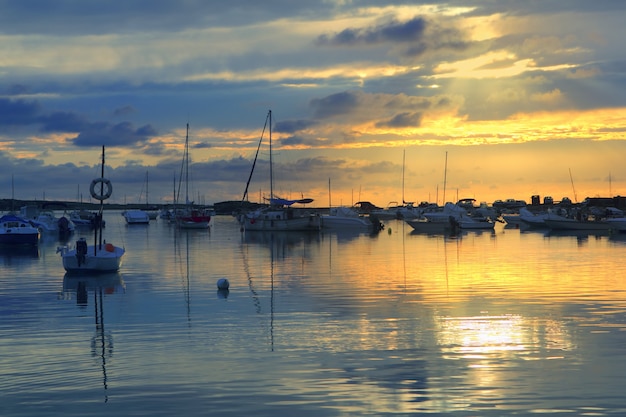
[491, 324]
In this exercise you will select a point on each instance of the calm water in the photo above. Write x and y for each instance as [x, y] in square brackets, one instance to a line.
[484, 324]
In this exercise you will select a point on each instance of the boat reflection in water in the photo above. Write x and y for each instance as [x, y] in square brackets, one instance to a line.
[100, 285]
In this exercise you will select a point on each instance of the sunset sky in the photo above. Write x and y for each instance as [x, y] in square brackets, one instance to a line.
[520, 98]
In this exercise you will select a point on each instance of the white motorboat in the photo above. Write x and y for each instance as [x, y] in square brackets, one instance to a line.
[455, 213]
[101, 256]
[346, 218]
[16, 231]
[136, 217]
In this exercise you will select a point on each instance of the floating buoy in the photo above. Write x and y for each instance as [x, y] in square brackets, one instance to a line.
[223, 284]
[389, 230]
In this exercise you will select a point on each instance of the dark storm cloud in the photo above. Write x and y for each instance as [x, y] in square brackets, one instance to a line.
[18, 112]
[402, 120]
[121, 134]
[302, 141]
[202, 145]
[23, 113]
[292, 126]
[420, 35]
[63, 122]
[391, 32]
[335, 104]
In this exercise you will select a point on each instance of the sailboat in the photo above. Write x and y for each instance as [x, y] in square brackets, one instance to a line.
[101, 256]
[278, 215]
[139, 216]
[190, 217]
[152, 212]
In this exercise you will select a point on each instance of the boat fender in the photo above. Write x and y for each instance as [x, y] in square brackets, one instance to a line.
[223, 284]
[105, 193]
[109, 247]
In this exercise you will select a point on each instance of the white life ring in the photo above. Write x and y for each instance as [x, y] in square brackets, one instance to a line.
[105, 193]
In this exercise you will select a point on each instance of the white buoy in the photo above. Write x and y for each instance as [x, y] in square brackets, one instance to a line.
[223, 284]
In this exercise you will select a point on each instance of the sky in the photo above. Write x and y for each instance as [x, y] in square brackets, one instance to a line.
[370, 100]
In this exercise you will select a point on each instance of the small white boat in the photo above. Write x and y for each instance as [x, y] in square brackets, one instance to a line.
[346, 218]
[16, 231]
[136, 217]
[101, 256]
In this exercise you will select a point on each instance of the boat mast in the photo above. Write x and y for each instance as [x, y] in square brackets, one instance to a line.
[98, 232]
[187, 165]
[245, 193]
[403, 159]
[271, 164]
[445, 176]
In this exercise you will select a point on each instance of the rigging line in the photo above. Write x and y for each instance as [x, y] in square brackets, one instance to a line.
[256, 155]
[182, 165]
[573, 189]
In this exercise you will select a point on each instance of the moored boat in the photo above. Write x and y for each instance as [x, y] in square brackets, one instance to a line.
[136, 217]
[101, 256]
[191, 216]
[346, 218]
[279, 215]
[16, 231]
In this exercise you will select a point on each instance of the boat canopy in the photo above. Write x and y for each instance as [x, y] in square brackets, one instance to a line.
[284, 202]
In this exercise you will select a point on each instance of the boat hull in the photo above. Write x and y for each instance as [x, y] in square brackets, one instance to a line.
[427, 226]
[193, 222]
[280, 220]
[476, 225]
[345, 223]
[19, 239]
[105, 259]
[15, 231]
[618, 225]
[136, 217]
[569, 224]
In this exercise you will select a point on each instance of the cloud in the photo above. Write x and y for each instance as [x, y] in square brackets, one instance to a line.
[121, 134]
[18, 112]
[292, 126]
[419, 34]
[124, 111]
[335, 104]
[63, 122]
[412, 30]
[402, 120]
